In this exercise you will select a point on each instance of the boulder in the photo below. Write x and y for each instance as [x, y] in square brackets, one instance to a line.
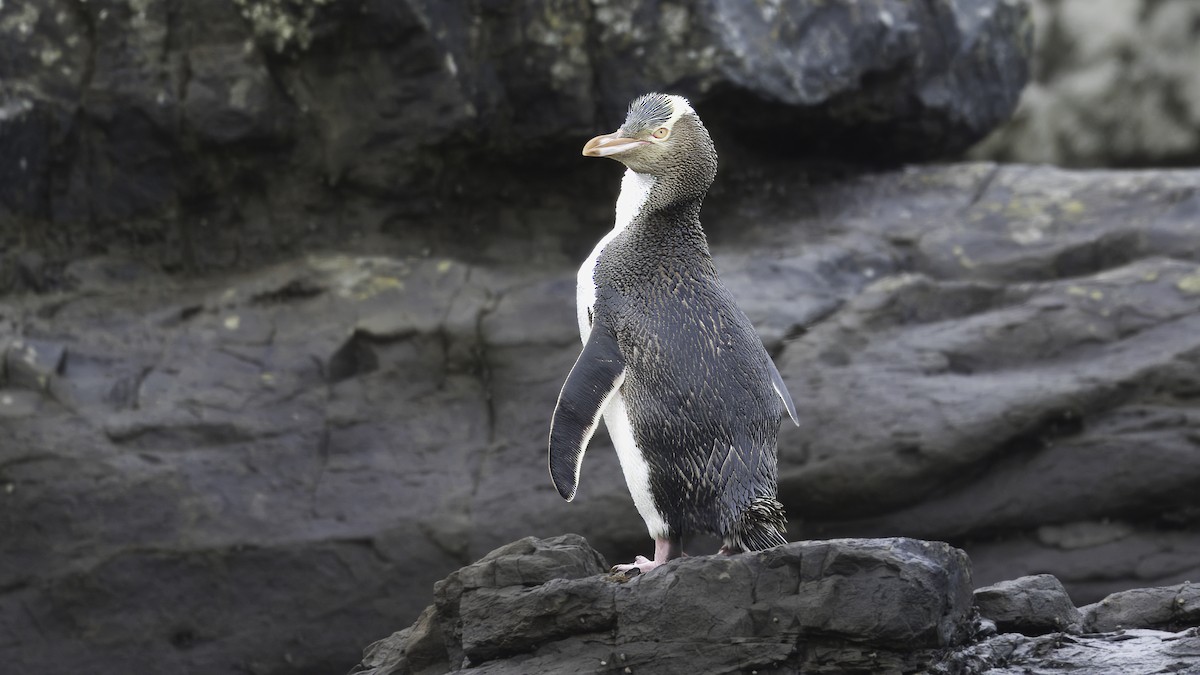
[545, 605]
[1114, 83]
[1164, 608]
[1033, 605]
[284, 126]
[851, 605]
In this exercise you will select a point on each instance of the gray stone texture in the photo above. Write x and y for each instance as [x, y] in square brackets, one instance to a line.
[545, 606]
[1032, 605]
[1166, 608]
[839, 606]
[1129, 652]
[224, 133]
[1114, 83]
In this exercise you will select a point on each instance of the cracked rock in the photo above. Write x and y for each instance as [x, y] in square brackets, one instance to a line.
[546, 605]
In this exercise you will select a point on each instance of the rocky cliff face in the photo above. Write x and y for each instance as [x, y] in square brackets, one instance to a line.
[839, 606]
[218, 134]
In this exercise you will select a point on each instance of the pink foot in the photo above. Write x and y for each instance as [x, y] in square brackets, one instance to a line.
[664, 550]
[641, 564]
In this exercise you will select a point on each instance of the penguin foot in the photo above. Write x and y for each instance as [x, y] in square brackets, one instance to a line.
[640, 565]
[664, 550]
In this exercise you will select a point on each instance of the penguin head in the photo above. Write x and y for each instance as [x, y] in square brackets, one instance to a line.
[662, 136]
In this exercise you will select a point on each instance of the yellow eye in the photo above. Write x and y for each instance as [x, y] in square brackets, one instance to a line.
[661, 133]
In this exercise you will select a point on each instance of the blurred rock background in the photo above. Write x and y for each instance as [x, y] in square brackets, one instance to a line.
[1114, 84]
[288, 295]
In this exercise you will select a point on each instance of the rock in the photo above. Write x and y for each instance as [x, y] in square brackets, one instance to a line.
[1033, 605]
[1152, 553]
[545, 606]
[387, 414]
[32, 364]
[822, 78]
[1165, 608]
[1005, 356]
[1131, 652]
[268, 133]
[1114, 84]
[25, 144]
[194, 454]
[840, 606]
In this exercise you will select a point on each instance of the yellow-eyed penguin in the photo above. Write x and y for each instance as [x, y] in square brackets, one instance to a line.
[691, 399]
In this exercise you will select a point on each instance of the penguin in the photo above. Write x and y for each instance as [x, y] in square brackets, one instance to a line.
[691, 399]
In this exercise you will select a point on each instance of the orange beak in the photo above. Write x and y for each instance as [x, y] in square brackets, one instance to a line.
[608, 145]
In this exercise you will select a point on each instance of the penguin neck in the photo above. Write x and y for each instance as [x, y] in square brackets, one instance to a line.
[634, 198]
[645, 196]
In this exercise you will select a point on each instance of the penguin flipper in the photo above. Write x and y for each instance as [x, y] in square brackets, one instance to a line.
[782, 390]
[595, 378]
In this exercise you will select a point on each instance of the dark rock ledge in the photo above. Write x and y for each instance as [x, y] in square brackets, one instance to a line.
[840, 606]
[546, 605]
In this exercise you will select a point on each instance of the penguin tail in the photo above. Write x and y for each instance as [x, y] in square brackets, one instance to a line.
[762, 526]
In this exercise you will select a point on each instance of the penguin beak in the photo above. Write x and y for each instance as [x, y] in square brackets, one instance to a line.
[608, 145]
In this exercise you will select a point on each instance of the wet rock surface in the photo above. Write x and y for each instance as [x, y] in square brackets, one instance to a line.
[1032, 605]
[281, 126]
[839, 606]
[1164, 608]
[1126, 652]
[547, 606]
[304, 449]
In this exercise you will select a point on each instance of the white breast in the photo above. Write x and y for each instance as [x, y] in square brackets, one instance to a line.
[634, 466]
[635, 189]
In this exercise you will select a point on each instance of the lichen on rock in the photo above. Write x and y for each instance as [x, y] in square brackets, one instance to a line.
[284, 24]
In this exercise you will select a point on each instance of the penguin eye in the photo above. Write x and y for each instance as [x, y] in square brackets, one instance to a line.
[661, 133]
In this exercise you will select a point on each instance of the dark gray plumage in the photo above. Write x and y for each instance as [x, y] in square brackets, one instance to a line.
[691, 398]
